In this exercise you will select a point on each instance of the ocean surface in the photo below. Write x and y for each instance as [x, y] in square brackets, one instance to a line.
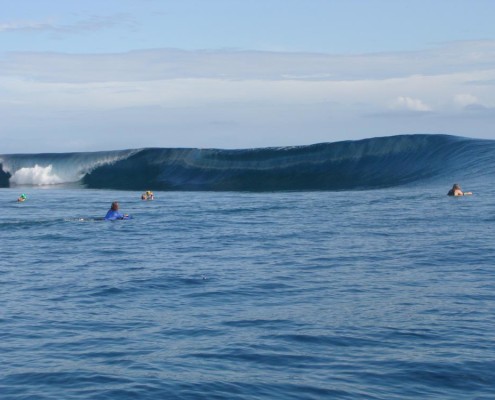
[383, 293]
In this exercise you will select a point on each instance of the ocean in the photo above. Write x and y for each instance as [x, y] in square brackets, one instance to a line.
[232, 284]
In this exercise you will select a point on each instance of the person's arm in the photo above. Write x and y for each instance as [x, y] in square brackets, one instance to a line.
[114, 215]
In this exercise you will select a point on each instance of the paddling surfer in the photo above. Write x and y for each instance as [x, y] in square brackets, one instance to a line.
[114, 213]
[457, 191]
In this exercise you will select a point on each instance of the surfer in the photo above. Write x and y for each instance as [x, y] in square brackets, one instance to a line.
[457, 191]
[22, 197]
[114, 213]
[148, 195]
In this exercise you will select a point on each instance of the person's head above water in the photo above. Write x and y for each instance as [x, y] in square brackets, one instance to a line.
[114, 206]
[457, 191]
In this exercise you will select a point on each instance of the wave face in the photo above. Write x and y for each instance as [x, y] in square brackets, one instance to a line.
[364, 164]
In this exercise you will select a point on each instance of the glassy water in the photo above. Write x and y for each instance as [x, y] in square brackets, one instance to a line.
[385, 294]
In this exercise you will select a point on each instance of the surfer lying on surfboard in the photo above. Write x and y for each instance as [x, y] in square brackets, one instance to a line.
[457, 191]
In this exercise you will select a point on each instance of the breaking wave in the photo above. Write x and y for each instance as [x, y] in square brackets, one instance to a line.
[53, 168]
[363, 164]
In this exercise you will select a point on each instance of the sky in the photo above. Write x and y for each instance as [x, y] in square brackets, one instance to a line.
[116, 74]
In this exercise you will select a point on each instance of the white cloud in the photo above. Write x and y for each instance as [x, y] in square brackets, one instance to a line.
[93, 23]
[464, 100]
[24, 25]
[409, 104]
[172, 97]
[231, 64]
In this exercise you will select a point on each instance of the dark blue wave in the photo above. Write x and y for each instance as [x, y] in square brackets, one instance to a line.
[4, 177]
[364, 164]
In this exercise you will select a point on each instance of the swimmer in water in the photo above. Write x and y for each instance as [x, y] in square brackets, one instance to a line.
[148, 195]
[22, 197]
[114, 213]
[457, 191]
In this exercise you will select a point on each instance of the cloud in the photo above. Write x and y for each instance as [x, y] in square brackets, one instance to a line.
[464, 100]
[231, 64]
[469, 102]
[24, 26]
[236, 85]
[91, 24]
[176, 78]
[477, 107]
[409, 104]
[176, 97]
[488, 82]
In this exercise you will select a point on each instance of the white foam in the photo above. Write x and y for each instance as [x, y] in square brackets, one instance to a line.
[36, 176]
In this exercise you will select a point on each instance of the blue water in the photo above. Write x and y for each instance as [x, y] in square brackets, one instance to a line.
[379, 294]
[348, 165]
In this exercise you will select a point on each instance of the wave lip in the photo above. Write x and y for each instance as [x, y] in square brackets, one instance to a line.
[348, 165]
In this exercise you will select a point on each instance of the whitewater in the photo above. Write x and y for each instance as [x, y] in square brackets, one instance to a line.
[330, 271]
